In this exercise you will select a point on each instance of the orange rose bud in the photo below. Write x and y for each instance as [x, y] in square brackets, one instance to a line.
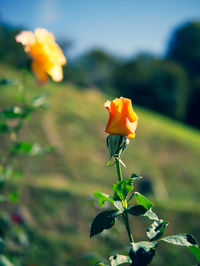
[122, 119]
[47, 56]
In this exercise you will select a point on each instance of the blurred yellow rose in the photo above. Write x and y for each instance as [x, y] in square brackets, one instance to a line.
[122, 119]
[47, 56]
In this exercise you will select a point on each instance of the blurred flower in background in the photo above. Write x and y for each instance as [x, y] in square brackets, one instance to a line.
[47, 56]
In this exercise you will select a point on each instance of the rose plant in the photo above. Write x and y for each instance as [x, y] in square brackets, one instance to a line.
[121, 127]
[47, 58]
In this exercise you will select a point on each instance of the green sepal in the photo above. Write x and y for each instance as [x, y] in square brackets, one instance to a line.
[116, 145]
[142, 200]
[142, 252]
[137, 210]
[156, 230]
[122, 163]
[119, 260]
[180, 240]
[103, 220]
[123, 188]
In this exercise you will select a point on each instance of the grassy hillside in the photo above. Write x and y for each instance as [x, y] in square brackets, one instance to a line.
[56, 190]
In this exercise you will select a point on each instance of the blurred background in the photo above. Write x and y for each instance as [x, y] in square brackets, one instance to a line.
[148, 51]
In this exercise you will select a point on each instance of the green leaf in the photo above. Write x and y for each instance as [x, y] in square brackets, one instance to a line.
[22, 147]
[32, 149]
[100, 263]
[142, 200]
[119, 260]
[123, 188]
[136, 177]
[151, 215]
[156, 229]
[94, 259]
[142, 253]
[195, 251]
[14, 196]
[116, 197]
[9, 81]
[180, 240]
[102, 198]
[103, 220]
[2, 199]
[1, 245]
[118, 204]
[4, 128]
[11, 113]
[136, 210]
[4, 261]
[40, 101]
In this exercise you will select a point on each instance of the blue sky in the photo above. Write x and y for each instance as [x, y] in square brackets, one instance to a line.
[124, 27]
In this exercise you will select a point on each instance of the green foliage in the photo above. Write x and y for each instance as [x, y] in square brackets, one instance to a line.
[9, 81]
[11, 113]
[123, 188]
[142, 253]
[135, 177]
[103, 220]
[56, 187]
[195, 251]
[1, 245]
[102, 198]
[10, 51]
[154, 83]
[142, 200]
[116, 145]
[151, 215]
[180, 240]
[4, 261]
[137, 210]
[119, 260]
[12, 120]
[34, 149]
[156, 229]
[40, 101]
[4, 128]
[14, 196]
[184, 48]
[97, 67]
